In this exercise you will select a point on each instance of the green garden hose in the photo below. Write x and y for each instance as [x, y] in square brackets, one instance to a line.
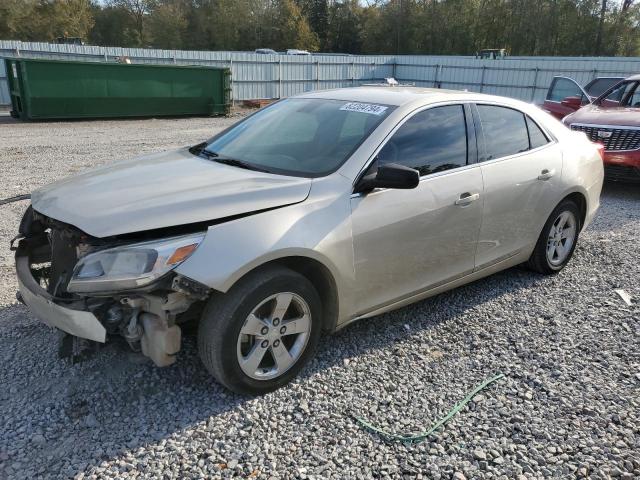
[421, 437]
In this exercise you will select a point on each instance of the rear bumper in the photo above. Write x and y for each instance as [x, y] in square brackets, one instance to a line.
[80, 323]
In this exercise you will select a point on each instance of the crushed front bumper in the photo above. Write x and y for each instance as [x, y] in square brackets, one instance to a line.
[80, 323]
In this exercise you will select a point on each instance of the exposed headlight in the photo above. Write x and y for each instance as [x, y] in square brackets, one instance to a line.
[131, 266]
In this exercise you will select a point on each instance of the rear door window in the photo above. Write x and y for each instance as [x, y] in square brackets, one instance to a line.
[505, 131]
[431, 141]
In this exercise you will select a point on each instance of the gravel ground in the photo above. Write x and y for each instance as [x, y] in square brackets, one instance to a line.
[569, 405]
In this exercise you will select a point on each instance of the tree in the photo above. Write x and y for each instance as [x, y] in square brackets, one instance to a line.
[45, 20]
[166, 24]
[524, 27]
[345, 27]
[317, 14]
[603, 12]
[16, 20]
[199, 16]
[138, 11]
[113, 27]
[70, 18]
[288, 28]
[624, 29]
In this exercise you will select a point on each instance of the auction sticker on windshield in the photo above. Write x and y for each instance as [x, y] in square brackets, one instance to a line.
[364, 108]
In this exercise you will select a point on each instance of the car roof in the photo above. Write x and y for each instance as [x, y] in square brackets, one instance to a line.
[398, 96]
[634, 77]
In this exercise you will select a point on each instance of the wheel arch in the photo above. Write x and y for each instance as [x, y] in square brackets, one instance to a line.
[314, 270]
[580, 199]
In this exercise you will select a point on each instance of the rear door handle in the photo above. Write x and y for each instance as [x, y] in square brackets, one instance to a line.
[546, 174]
[466, 198]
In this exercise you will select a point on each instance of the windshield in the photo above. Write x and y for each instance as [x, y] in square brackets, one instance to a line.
[299, 136]
[598, 86]
[626, 94]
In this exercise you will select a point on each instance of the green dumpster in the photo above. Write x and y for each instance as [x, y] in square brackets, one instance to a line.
[46, 89]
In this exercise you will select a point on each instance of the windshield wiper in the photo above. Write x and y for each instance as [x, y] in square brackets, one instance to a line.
[201, 149]
[206, 153]
[235, 162]
[198, 149]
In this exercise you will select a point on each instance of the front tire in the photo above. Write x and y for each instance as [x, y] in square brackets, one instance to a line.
[257, 336]
[557, 240]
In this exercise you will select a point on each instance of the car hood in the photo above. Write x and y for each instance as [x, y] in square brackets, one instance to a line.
[163, 190]
[597, 115]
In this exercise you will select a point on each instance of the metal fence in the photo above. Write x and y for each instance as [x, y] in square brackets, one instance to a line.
[275, 76]
[4, 88]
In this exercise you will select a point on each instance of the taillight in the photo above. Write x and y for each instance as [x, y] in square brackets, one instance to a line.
[600, 148]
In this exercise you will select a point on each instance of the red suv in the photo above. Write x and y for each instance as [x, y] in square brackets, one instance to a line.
[613, 119]
[565, 96]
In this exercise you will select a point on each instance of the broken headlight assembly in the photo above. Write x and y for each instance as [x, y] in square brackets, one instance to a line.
[131, 266]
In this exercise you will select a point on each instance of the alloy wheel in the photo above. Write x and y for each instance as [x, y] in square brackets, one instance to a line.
[562, 236]
[274, 336]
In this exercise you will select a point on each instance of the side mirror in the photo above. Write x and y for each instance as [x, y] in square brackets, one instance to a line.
[572, 102]
[390, 175]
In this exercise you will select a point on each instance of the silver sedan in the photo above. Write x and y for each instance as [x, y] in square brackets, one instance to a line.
[316, 211]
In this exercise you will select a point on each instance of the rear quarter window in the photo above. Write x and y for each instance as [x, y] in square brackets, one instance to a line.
[537, 137]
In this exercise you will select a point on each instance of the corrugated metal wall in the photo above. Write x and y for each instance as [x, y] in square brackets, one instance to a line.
[273, 76]
[4, 88]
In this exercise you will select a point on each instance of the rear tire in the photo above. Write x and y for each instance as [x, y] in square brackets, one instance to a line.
[256, 337]
[557, 240]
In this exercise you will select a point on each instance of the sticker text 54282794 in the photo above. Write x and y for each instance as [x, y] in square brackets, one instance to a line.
[364, 108]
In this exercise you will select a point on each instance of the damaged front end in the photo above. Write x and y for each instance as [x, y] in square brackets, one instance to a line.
[93, 288]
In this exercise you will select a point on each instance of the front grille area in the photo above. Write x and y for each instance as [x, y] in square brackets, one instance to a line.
[63, 259]
[622, 173]
[620, 139]
[54, 250]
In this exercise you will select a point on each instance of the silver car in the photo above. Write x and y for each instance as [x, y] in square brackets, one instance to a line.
[316, 211]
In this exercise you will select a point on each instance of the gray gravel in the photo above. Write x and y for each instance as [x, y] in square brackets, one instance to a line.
[568, 407]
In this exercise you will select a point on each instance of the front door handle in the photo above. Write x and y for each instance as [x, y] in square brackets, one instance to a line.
[466, 198]
[546, 174]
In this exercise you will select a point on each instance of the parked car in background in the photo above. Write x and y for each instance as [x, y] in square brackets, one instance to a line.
[266, 51]
[69, 40]
[565, 96]
[316, 211]
[613, 119]
[295, 51]
[492, 54]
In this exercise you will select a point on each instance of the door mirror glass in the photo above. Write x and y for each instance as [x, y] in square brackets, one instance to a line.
[389, 175]
[572, 102]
